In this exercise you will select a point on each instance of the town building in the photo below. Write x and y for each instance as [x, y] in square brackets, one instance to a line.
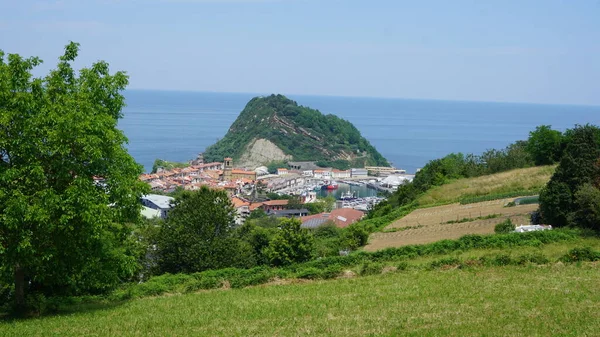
[274, 205]
[341, 217]
[359, 173]
[302, 165]
[290, 213]
[158, 202]
[227, 169]
[339, 174]
[242, 208]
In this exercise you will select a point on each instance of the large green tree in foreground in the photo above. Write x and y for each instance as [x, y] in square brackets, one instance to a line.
[61, 229]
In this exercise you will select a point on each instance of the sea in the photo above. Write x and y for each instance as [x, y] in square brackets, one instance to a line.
[176, 125]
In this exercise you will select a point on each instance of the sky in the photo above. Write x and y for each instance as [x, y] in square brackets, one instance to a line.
[536, 51]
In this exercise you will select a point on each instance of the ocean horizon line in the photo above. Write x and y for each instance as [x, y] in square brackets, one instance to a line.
[256, 94]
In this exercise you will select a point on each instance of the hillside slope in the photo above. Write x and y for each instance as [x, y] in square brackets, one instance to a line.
[531, 179]
[430, 224]
[276, 128]
[544, 300]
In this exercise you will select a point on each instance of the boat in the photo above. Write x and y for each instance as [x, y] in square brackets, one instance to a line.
[347, 196]
[330, 186]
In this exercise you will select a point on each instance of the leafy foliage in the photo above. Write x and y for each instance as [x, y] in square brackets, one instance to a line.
[544, 145]
[570, 198]
[504, 227]
[60, 231]
[291, 244]
[167, 165]
[304, 133]
[198, 235]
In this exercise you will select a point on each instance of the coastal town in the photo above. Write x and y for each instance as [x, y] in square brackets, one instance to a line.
[249, 189]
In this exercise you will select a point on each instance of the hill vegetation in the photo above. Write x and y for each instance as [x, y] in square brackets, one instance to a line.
[513, 183]
[300, 133]
[519, 279]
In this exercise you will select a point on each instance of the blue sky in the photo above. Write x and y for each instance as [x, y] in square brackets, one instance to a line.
[545, 51]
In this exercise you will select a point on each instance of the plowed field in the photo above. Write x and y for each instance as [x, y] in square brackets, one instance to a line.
[430, 224]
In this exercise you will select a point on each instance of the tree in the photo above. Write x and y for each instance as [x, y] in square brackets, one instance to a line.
[68, 187]
[291, 244]
[578, 167]
[199, 235]
[544, 145]
[587, 213]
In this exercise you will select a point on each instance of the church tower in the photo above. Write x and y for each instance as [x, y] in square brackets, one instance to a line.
[227, 168]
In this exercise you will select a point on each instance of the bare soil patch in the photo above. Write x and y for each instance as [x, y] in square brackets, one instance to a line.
[430, 224]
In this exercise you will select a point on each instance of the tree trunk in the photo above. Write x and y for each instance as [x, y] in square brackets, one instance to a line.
[19, 289]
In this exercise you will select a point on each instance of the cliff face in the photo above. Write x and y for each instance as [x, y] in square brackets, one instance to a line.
[276, 128]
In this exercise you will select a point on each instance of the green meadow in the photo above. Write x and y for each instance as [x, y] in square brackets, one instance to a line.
[476, 292]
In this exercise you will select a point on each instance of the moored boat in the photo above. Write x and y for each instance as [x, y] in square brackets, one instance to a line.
[330, 186]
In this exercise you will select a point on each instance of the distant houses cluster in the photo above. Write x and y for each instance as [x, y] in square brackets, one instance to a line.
[239, 183]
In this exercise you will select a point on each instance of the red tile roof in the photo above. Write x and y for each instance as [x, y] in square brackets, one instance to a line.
[276, 202]
[342, 217]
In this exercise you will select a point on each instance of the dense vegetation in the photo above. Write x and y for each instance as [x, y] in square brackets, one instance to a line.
[168, 165]
[572, 197]
[62, 232]
[544, 146]
[302, 132]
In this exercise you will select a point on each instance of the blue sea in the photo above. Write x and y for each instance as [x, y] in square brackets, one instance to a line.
[176, 126]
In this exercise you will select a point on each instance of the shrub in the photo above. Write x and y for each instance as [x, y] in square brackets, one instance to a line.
[332, 271]
[534, 258]
[504, 227]
[445, 263]
[310, 273]
[581, 254]
[402, 266]
[370, 268]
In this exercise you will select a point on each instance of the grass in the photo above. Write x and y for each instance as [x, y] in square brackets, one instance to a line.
[491, 216]
[432, 224]
[429, 294]
[529, 179]
[553, 299]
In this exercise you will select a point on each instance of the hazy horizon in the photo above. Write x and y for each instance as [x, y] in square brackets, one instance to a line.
[538, 51]
[291, 94]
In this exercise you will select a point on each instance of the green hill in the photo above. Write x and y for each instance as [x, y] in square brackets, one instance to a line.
[526, 288]
[275, 128]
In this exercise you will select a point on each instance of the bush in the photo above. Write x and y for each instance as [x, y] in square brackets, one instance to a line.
[370, 268]
[504, 227]
[581, 254]
[310, 273]
[332, 271]
[445, 263]
[402, 266]
[534, 258]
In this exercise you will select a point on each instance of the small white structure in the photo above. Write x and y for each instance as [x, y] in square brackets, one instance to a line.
[532, 228]
[359, 173]
[282, 171]
[158, 202]
[261, 171]
[393, 181]
[339, 174]
[150, 213]
[307, 173]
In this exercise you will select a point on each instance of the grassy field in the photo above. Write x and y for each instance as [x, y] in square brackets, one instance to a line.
[501, 301]
[527, 300]
[430, 224]
[528, 179]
